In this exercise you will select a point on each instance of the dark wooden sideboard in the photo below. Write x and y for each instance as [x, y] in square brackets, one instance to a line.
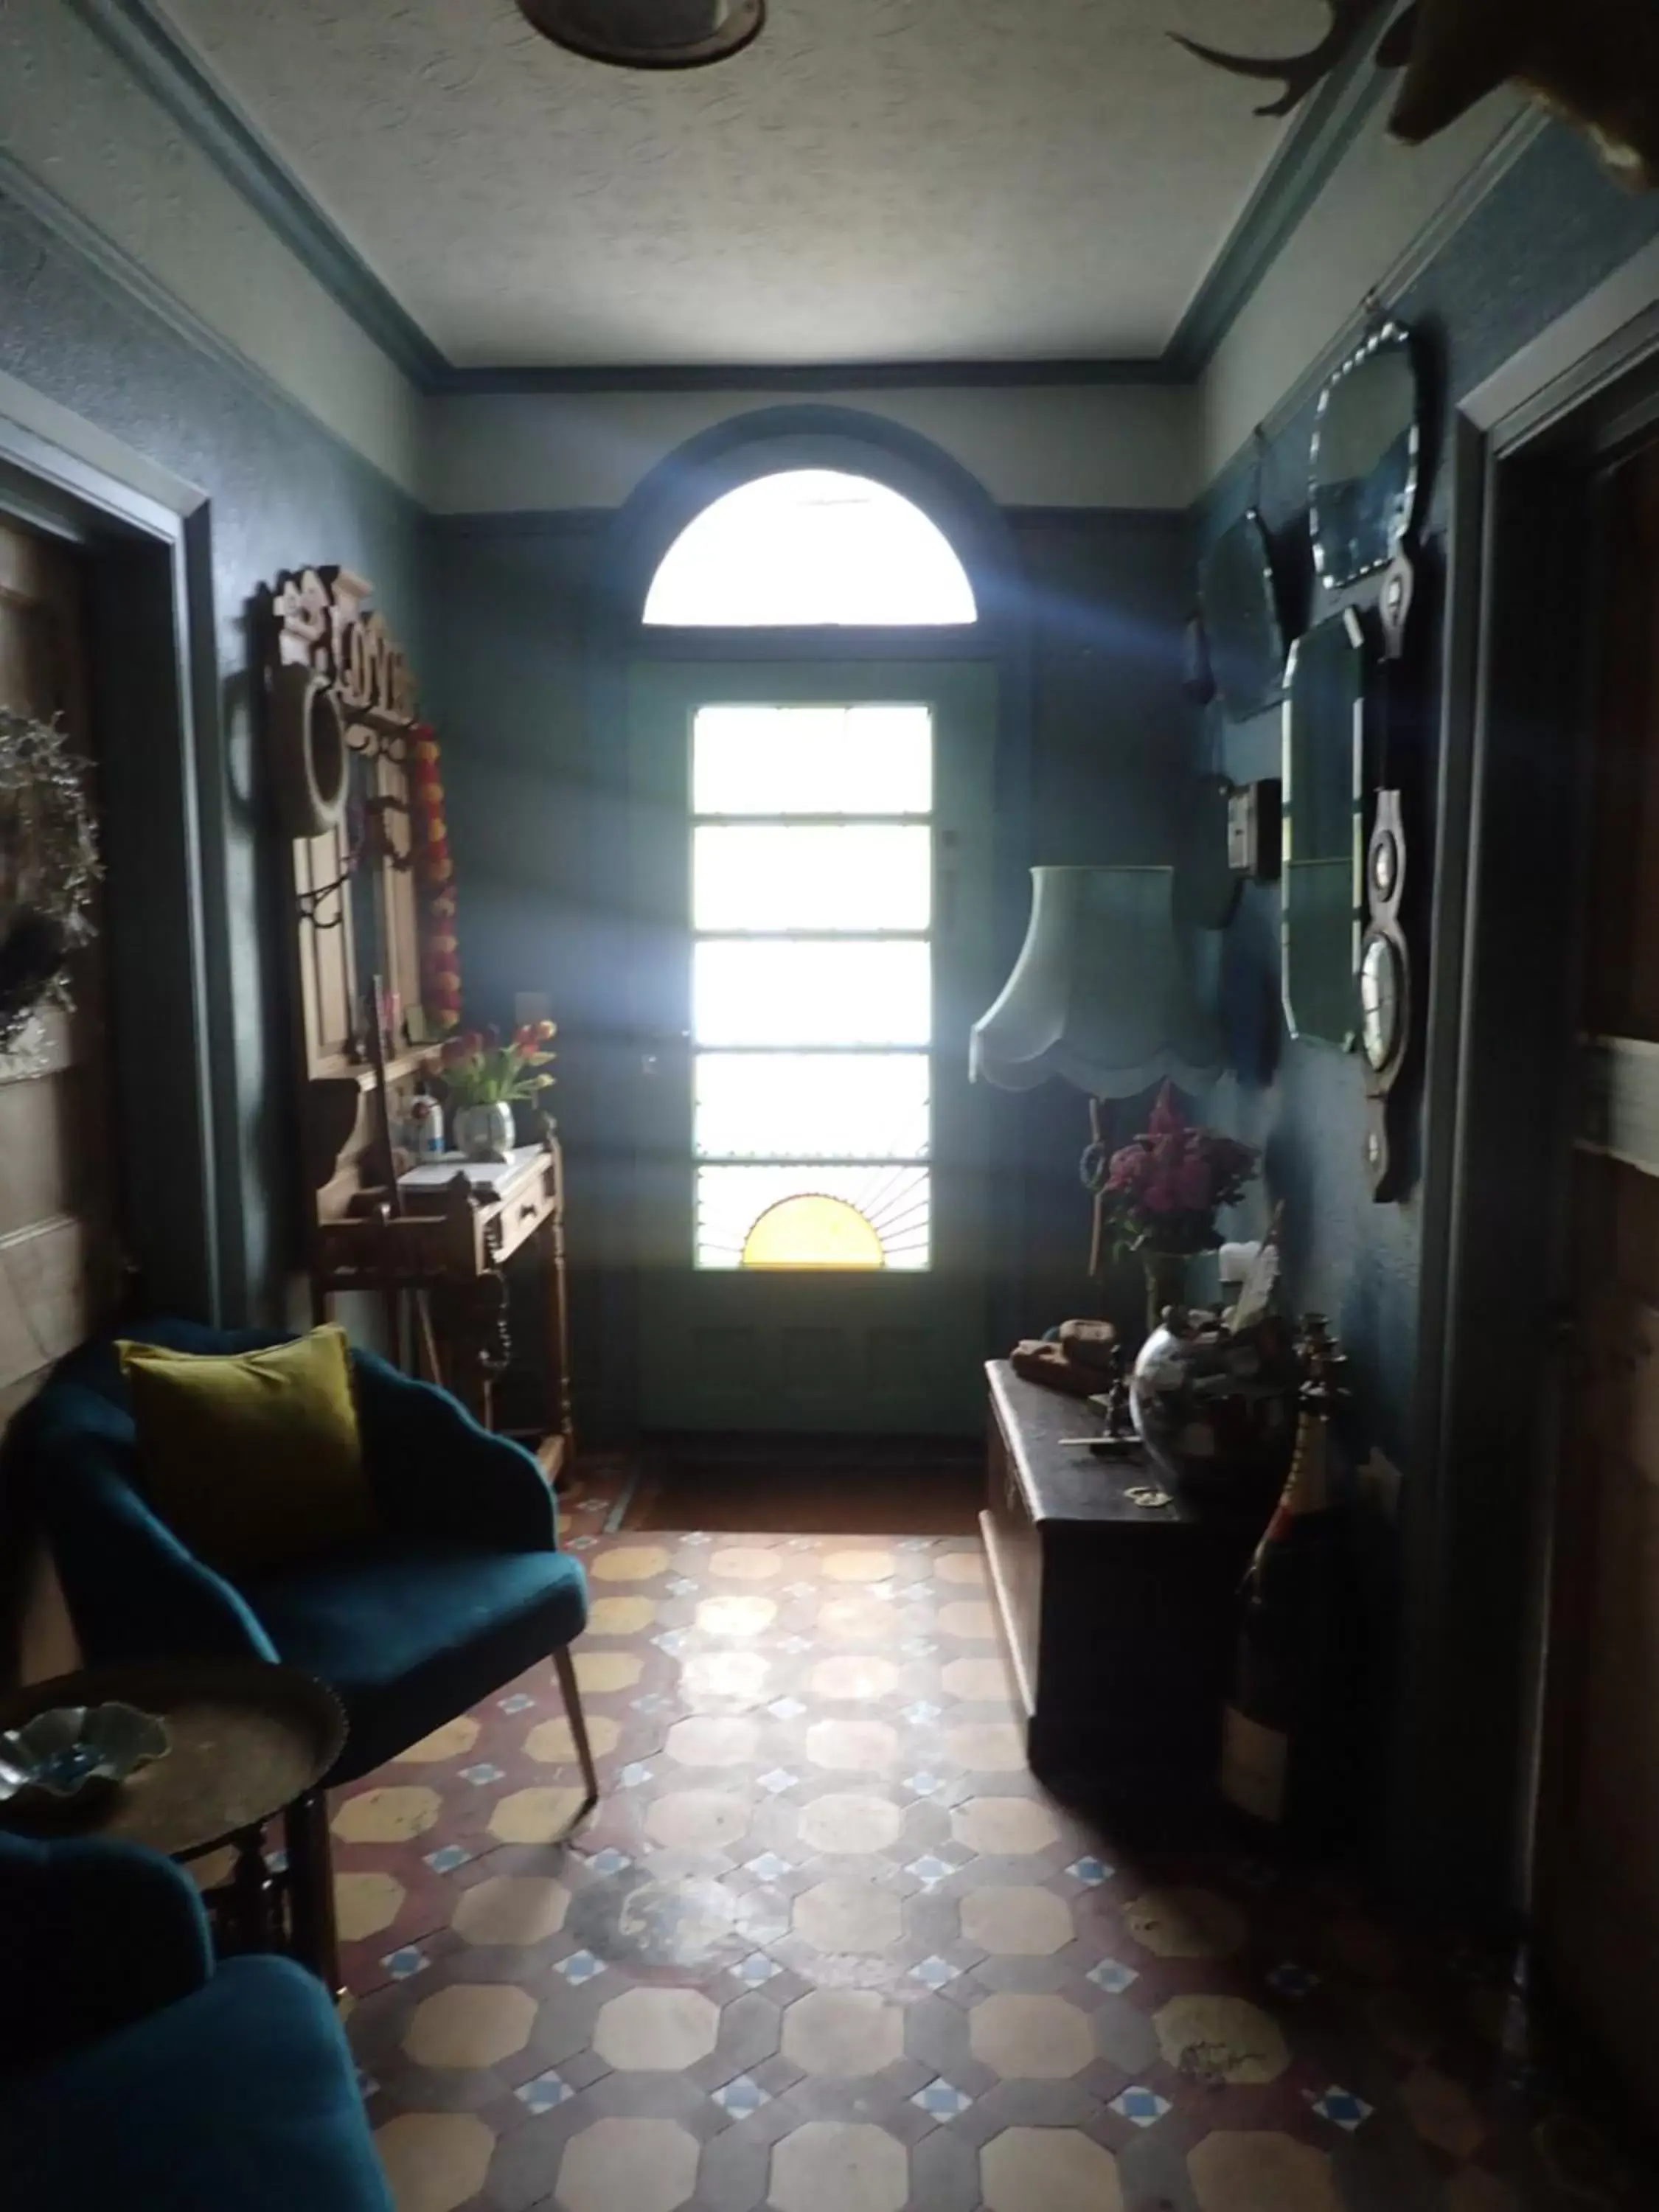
[1120, 1621]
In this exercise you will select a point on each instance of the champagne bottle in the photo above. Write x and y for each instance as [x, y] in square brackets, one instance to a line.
[1287, 1726]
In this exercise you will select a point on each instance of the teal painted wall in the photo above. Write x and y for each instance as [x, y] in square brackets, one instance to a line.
[282, 491]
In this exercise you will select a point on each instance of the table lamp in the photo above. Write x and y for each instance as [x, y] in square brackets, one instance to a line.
[1107, 991]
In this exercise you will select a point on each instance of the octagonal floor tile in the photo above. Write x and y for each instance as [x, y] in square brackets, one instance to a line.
[1186, 1923]
[1004, 1828]
[844, 2032]
[969, 1617]
[551, 1743]
[858, 1746]
[745, 1563]
[736, 1616]
[390, 1815]
[452, 1740]
[844, 1822]
[696, 1820]
[960, 1567]
[1055, 2169]
[987, 1748]
[858, 1618]
[1015, 1923]
[712, 1740]
[1215, 2038]
[629, 1563]
[829, 2166]
[656, 2030]
[534, 1816]
[848, 1917]
[620, 1616]
[471, 2024]
[601, 1673]
[717, 1680]
[1442, 2112]
[857, 1567]
[975, 1678]
[1241, 2171]
[627, 2166]
[1030, 2039]
[512, 1908]
[364, 1904]
[855, 1676]
[434, 2160]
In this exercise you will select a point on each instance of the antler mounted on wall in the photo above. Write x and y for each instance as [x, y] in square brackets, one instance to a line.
[1594, 61]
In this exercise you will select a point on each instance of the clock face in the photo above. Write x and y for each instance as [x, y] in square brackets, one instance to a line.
[1382, 997]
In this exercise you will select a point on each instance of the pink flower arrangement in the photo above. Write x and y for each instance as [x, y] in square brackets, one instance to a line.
[1163, 1191]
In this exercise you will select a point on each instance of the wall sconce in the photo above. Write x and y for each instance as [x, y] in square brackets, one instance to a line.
[1107, 991]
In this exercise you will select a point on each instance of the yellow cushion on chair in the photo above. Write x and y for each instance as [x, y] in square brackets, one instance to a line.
[253, 1458]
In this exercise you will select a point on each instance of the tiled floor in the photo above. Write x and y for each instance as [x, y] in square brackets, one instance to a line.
[829, 1947]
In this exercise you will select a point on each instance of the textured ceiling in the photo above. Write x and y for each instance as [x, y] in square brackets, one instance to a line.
[903, 180]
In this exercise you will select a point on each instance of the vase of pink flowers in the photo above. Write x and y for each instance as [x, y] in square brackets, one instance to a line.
[1162, 1193]
[484, 1078]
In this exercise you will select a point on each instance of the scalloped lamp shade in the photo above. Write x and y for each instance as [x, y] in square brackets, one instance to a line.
[649, 34]
[1106, 991]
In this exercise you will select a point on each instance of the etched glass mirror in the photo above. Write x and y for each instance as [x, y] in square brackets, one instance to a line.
[1367, 450]
[1321, 879]
[1241, 619]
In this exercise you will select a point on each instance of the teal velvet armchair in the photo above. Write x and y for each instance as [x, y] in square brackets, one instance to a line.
[133, 2072]
[465, 1589]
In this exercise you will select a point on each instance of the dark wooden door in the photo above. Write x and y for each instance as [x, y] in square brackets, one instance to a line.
[1596, 1884]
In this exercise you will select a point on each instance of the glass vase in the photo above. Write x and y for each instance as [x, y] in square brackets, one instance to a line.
[1166, 1283]
[485, 1132]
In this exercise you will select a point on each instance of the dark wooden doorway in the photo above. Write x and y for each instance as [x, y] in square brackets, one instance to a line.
[1596, 1853]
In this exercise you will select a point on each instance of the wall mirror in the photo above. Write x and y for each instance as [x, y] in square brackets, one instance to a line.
[1241, 619]
[1321, 877]
[1367, 456]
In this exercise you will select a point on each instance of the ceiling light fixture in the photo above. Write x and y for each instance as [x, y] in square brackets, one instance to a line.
[649, 34]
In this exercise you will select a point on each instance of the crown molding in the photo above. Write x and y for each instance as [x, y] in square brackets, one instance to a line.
[158, 58]
[1325, 127]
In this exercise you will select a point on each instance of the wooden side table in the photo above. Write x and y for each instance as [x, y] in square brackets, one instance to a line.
[246, 1741]
[1120, 1622]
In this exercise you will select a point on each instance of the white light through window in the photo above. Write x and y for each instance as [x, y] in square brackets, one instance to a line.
[811, 966]
[808, 547]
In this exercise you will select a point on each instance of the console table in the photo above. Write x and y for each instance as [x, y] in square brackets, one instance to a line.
[1120, 1621]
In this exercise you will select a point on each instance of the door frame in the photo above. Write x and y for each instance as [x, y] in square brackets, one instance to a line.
[754, 443]
[154, 699]
[1500, 1092]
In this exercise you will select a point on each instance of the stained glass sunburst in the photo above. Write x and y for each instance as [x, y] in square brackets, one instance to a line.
[745, 1211]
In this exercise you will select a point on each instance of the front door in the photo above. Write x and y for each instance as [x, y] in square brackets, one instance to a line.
[1597, 1875]
[812, 887]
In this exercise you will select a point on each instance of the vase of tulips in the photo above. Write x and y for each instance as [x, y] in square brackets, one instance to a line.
[484, 1078]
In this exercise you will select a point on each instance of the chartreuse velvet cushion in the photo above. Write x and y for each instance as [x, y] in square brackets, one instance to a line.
[252, 1458]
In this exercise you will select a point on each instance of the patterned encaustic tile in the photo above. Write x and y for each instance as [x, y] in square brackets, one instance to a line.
[827, 1943]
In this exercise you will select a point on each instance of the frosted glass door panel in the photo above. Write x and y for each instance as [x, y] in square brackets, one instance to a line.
[812, 760]
[780, 993]
[853, 878]
[807, 1106]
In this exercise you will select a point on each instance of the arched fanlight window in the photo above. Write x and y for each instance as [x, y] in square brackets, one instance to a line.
[810, 547]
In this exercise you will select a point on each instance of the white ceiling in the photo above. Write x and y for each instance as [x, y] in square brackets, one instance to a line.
[892, 180]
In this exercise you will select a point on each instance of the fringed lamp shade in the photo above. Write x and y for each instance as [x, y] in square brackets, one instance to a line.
[1106, 991]
[649, 34]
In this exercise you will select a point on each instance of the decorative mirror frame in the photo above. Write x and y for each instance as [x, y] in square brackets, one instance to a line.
[1247, 527]
[1383, 334]
[1357, 769]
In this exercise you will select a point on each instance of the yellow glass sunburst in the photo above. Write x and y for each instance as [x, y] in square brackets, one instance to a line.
[813, 1231]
